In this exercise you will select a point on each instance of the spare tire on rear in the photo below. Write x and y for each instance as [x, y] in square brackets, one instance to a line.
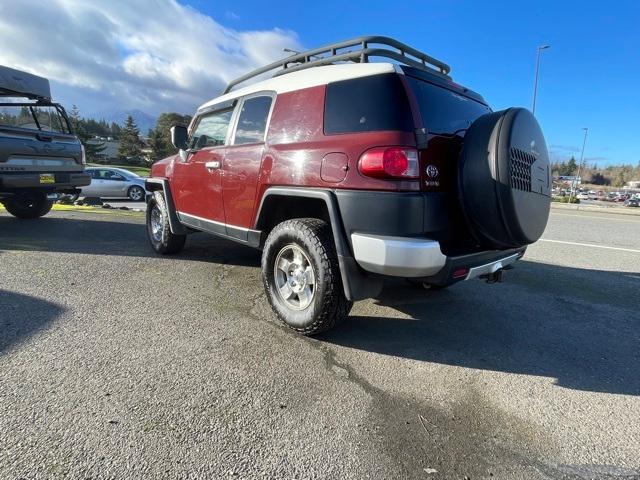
[504, 179]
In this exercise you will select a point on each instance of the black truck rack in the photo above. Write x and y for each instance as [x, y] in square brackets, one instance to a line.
[345, 52]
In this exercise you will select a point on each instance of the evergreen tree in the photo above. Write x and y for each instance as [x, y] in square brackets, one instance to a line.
[130, 149]
[572, 167]
[158, 144]
[92, 149]
[160, 137]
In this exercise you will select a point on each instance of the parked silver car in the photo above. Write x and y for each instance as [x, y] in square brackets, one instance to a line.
[109, 182]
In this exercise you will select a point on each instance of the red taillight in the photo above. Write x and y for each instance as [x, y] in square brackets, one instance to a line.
[460, 272]
[390, 162]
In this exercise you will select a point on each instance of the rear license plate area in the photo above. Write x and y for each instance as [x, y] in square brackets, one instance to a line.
[47, 178]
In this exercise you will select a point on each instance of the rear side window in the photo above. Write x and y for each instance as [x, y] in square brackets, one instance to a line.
[444, 111]
[252, 122]
[367, 104]
[211, 130]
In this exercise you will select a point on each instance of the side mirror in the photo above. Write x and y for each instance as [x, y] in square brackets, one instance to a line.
[179, 137]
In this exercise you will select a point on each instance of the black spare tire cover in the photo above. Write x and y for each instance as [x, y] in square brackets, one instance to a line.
[504, 179]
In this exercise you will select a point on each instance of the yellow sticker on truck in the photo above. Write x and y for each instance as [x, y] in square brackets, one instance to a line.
[47, 178]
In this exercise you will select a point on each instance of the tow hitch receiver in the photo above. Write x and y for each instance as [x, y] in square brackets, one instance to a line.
[493, 277]
[492, 271]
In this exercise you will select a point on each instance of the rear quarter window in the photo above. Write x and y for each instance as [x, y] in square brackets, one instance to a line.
[367, 104]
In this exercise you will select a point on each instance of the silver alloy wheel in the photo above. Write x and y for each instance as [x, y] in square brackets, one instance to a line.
[294, 277]
[136, 194]
[157, 225]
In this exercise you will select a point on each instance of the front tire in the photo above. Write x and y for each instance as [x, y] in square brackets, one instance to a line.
[136, 193]
[301, 276]
[29, 205]
[158, 231]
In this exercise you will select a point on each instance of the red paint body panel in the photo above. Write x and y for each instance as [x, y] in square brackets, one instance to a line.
[240, 181]
[197, 190]
[162, 168]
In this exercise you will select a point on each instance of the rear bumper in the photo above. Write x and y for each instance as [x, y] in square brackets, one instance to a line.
[422, 258]
[63, 180]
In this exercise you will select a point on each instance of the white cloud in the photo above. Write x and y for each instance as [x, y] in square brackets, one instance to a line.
[154, 55]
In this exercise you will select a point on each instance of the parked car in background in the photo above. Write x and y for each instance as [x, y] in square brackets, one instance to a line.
[632, 202]
[40, 157]
[108, 182]
[583, 196]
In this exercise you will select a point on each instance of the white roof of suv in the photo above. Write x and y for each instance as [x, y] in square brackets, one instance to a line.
[308, 78]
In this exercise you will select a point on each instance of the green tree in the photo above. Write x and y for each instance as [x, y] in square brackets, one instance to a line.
[599, 179]
[92, 148]
[160, 137]
[158, 145]
[572, 167]
[130, 148]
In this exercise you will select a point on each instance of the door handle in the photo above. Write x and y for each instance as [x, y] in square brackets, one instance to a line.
[212, 165]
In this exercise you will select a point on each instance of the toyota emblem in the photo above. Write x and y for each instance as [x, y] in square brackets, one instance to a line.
[432, 171]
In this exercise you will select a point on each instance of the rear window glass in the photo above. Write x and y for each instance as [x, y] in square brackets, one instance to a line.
[444, 111]
[253, 120]
[367, 104]
[35, 117]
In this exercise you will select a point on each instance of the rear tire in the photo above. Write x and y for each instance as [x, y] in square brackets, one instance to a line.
[301, 276]
[28, 205]
[158, 231]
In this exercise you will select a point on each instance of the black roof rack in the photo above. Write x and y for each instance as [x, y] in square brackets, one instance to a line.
[331, 54]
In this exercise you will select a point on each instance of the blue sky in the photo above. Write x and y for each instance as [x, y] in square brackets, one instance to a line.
[588, 78]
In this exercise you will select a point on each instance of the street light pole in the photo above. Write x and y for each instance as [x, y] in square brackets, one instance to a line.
[535, 82]
[584, 142]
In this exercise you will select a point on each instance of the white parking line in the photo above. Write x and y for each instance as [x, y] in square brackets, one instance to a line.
[602, 216]
[606, 247]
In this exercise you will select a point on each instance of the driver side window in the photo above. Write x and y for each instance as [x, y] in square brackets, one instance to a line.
[107, 175]
[211, 130]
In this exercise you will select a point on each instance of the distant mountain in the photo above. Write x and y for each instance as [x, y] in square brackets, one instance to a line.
[142, 119]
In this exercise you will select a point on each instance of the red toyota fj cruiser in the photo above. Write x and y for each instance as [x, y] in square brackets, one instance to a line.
[344, 172]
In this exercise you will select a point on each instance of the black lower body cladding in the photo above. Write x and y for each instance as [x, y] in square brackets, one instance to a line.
[504, 179]
[404, 214]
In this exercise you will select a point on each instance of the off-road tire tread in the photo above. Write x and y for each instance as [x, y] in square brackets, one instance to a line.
[335, 306]
[171, 243]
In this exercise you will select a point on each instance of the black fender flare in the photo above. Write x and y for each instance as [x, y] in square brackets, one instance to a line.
[154, 184]
[357, 284]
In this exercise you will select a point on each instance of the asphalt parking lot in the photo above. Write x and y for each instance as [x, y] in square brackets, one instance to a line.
[117, 363]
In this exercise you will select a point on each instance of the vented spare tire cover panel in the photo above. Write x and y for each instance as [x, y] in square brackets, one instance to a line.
[505, 179]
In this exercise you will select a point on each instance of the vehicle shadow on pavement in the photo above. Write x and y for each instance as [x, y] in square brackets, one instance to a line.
[581, 327]
[113, 235]
[21, 316]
